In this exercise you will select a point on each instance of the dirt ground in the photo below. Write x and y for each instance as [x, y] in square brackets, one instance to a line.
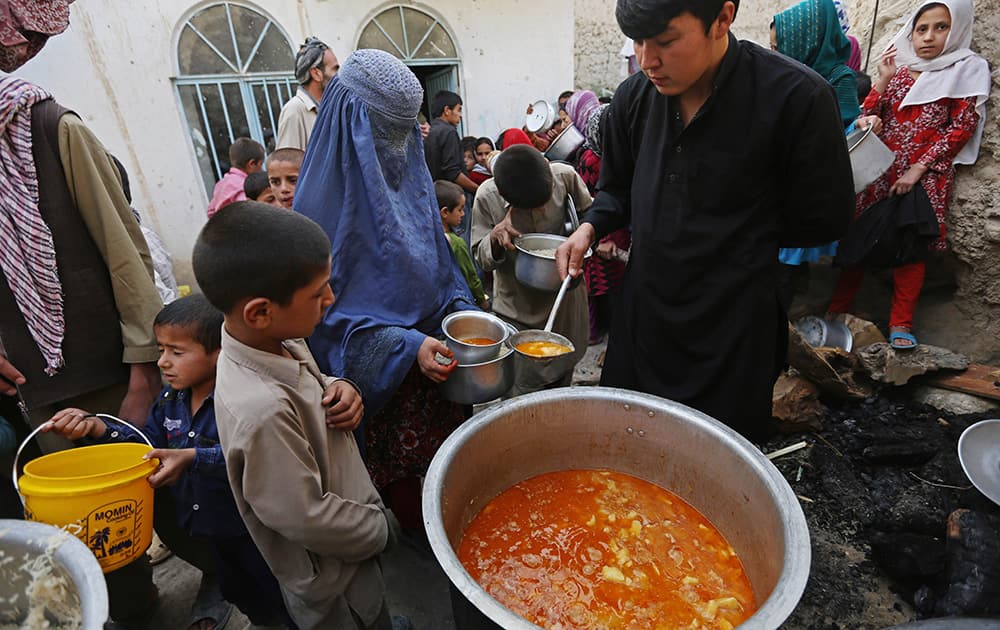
[861, 504]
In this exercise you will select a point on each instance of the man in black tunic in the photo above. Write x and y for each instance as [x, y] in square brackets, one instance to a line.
[718, 153]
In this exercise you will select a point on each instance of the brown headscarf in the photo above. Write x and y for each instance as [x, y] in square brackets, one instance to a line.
[25, 26]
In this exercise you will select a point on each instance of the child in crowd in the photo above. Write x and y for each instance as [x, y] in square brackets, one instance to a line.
[931, 95]
[286, 428]
[480, 171]
[245, 156]
[528, 195]
[451, 201]
[197, 517]
[257, 187]
[468, 145]
[283, 174]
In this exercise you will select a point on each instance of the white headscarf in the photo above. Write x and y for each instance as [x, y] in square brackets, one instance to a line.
[956, 73]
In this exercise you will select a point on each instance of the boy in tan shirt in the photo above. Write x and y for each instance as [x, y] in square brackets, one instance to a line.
[285, 428]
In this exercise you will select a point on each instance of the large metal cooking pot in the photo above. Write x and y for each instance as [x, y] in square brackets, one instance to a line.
[706, 463]
[71, 560]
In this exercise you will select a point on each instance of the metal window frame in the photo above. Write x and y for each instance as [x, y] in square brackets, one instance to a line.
[284, 83]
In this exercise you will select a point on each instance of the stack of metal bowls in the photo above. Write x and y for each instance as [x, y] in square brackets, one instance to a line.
[485, 371]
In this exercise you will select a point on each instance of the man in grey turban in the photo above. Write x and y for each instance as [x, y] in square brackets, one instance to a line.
[315, 66]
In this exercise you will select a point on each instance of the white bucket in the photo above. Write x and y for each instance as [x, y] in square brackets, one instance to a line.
[870, 158]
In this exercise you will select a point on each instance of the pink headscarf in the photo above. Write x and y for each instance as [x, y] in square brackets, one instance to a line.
[25, 26]
[580, 106]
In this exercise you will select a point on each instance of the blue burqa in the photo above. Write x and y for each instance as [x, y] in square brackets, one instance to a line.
[365, 181]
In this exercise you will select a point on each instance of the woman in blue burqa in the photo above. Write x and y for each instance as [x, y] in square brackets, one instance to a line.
[365, 181]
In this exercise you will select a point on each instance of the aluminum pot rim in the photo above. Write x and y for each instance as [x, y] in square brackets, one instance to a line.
[561, 239]
[784, 596]
[505, 352]
[477, 315]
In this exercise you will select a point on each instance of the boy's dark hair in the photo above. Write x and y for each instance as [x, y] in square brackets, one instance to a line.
[255, 184]
[242, 150]
[864, 85]
[449, 194]
[443, 99]
[124, 177]
[523, 177]
[485, 140]
[287, 154]
[468, 143]
[250, 249]
[642, 19]
[196, 315]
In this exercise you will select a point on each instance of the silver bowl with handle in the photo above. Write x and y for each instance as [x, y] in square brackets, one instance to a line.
[700, 459]
[480, 382]
[566, 143]
[463, 325]
[535, 266]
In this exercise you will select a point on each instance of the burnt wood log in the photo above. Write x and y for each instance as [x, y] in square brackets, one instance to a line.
[908, 558]
[900, 453]
[973, 565]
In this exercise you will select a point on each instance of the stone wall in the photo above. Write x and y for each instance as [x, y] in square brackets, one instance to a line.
[960, 307]
[598, 66]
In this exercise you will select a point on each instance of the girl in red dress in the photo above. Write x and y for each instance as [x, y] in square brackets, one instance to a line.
[932, 109]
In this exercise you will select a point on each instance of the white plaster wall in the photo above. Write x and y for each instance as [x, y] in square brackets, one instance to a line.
[114, 67]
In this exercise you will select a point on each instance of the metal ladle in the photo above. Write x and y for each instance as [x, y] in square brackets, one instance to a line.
[546, 369]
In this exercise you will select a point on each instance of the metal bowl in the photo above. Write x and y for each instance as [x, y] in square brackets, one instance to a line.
[703, 461]
[467, 324]
[566, 143]
[481, 382]
[71, 560]
[542, 369]
[539, 271]
[820, 333]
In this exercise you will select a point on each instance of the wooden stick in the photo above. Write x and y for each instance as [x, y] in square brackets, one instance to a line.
[788, 449]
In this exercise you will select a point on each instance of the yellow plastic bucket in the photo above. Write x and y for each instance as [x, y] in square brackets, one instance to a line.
[97, 493]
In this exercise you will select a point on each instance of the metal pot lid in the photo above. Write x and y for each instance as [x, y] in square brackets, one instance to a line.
[979, 452]
[540, 118]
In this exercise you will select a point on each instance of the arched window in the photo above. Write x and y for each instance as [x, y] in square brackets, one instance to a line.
[421, 42]
[235, 71]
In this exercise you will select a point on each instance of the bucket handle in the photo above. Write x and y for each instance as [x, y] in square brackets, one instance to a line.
[868, 131]
[31, 435]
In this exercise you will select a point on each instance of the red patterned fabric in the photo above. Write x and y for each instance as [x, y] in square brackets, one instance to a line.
[931, 134]
[402, 438]
[25, 26]
[603, 276]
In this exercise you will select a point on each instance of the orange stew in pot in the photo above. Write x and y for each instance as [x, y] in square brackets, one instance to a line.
[602, 549]
[479, 341]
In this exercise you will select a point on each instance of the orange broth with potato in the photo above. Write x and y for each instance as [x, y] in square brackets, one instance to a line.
[602, 549]
[543, 348]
